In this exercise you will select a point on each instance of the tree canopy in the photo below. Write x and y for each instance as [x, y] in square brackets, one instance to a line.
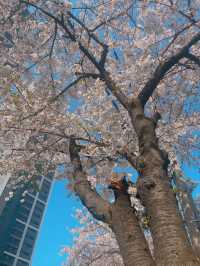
[90, 85]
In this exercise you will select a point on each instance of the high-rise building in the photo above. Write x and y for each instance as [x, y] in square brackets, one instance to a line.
[21, 215]
[188, 208]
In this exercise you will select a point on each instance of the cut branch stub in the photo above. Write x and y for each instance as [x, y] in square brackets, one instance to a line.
[119, 187]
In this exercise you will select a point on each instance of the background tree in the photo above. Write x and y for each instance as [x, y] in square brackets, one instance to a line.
[94, 244]
[93, 84]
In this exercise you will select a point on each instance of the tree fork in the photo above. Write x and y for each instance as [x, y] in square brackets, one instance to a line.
[119, 216]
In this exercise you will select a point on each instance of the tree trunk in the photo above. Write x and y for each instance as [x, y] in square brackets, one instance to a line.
[119, 216]
[132, 243]
[171, 246]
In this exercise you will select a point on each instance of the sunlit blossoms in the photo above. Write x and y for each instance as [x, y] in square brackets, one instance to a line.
[89, 86]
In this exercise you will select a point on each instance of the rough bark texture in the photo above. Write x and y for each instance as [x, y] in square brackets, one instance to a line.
[119, 216]
[98, 207]
[171, 246]
[133, 246]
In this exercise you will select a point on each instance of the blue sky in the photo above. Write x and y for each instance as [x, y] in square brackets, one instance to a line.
[194, 174]
[55, 230]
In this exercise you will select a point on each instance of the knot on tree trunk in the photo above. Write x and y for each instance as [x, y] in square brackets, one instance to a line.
[119, 187]
[145, 184]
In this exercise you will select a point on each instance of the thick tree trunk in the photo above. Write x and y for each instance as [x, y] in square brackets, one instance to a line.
[171, 246]
[132, 243]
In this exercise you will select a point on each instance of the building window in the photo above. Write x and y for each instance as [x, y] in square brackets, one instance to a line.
[35, 221]
[26, 253]
[17, 229]
[25, 208]
[22, 263]
[13, 237]
[37, 214]
[44, 191]
[50, 175]
[30, 236]
[23, 214]
[28, 244]
[12, 244]
[28, 201]
[6, 260]
[39, 207]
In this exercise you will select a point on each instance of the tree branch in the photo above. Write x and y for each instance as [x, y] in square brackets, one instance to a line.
[52, 100]
[70, 34]
[116, 91]
[163, 68]
[66, 89]
[97, 206]
[193, 58]
[103, 56]
[57, 134]
[88, 75]
[131, 158]
[89, 32]
[121, 97]
[54, 39]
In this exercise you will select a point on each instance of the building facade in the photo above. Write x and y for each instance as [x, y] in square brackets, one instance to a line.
[189, 209]
[20, 219]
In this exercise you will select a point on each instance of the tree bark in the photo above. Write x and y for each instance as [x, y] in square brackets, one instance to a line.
[171, 246]
[119, 216]
[132, 243]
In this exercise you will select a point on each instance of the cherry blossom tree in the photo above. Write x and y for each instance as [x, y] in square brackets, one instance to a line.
[88, 85]
[94, 244]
